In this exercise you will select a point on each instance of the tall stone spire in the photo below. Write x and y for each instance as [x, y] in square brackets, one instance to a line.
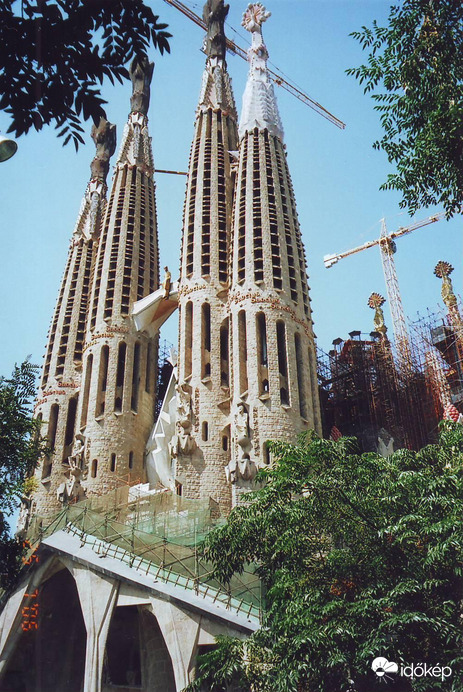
[116, 408]
[275, 392]
[61, 376]
[259, 103]
[201, 445]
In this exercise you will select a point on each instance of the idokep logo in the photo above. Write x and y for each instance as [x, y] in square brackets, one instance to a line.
[383, 668]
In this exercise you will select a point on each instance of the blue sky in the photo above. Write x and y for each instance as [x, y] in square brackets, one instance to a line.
[336, 176]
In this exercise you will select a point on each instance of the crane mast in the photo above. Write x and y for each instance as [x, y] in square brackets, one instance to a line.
[399, 323]
[386, 242]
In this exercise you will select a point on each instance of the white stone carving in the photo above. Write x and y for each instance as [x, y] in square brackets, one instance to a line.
[259, 103]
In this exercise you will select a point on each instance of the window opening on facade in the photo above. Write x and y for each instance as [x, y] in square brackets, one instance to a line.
[206, 340]
[86, 391]
[224, 355]
[70, 426]
[102, 381]
[257, 212]
[205, 431]
[135, 377]
[282, 363]
[112, 463]
[262, 353]
[188, 338]
[121, 355]
[300, 376]
[241, 259]
[94, 469]
[243, 352]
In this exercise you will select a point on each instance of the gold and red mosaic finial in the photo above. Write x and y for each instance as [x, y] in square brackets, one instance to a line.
[443, 269]
[375, 302]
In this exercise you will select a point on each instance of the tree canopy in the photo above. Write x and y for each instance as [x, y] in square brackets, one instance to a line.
[360, 557]
[414, 72]
[55, 54]
[21, 446]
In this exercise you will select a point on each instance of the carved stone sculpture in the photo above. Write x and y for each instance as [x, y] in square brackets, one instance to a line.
[141, 73]
[104, 137]
[166, 284]
[214, 14]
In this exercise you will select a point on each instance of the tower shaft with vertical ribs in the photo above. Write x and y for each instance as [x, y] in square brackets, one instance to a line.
[275, 393]
[201, 445]
[97, 392]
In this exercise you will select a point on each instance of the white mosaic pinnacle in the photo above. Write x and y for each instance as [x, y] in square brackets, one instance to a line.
[259, 102]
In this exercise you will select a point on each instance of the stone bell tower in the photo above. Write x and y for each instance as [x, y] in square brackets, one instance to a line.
[98, 387]
[61, 377]
[116, 408]
[275, 392]
[200, 448]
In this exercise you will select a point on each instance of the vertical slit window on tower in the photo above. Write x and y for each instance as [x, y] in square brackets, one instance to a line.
[300, 376]
[68, 314]
[129, 240]
[142, 245]
[112, 463]
[86, 390]
[206, 340]
[224, 357]
[206, 202]
[243, 352]
[299, 245]
[282, 363]
[102, 381]
[262, 353]
[221, 205]
[272, 213]
[190, 221]
[130, 460]
[70, 426]
[121, 355]
[257, 212]
[115, 246]
[205, 431]
[54, 324]
[188, 338]
[100, 259]
[153, 261]
[81, 320]
[241, 259]
[135, 377]
[51, 435]
[149, 367]
[287, 223]
[94, 469]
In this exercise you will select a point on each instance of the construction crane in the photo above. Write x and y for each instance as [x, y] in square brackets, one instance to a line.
[278, 79]
[387, 246]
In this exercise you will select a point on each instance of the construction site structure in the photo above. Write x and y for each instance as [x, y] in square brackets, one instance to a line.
[387, 246]
[365, 394]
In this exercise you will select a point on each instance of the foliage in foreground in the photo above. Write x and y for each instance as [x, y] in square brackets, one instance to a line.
[360, 555]
[414, 72]
[21, 446]
[55, 54]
